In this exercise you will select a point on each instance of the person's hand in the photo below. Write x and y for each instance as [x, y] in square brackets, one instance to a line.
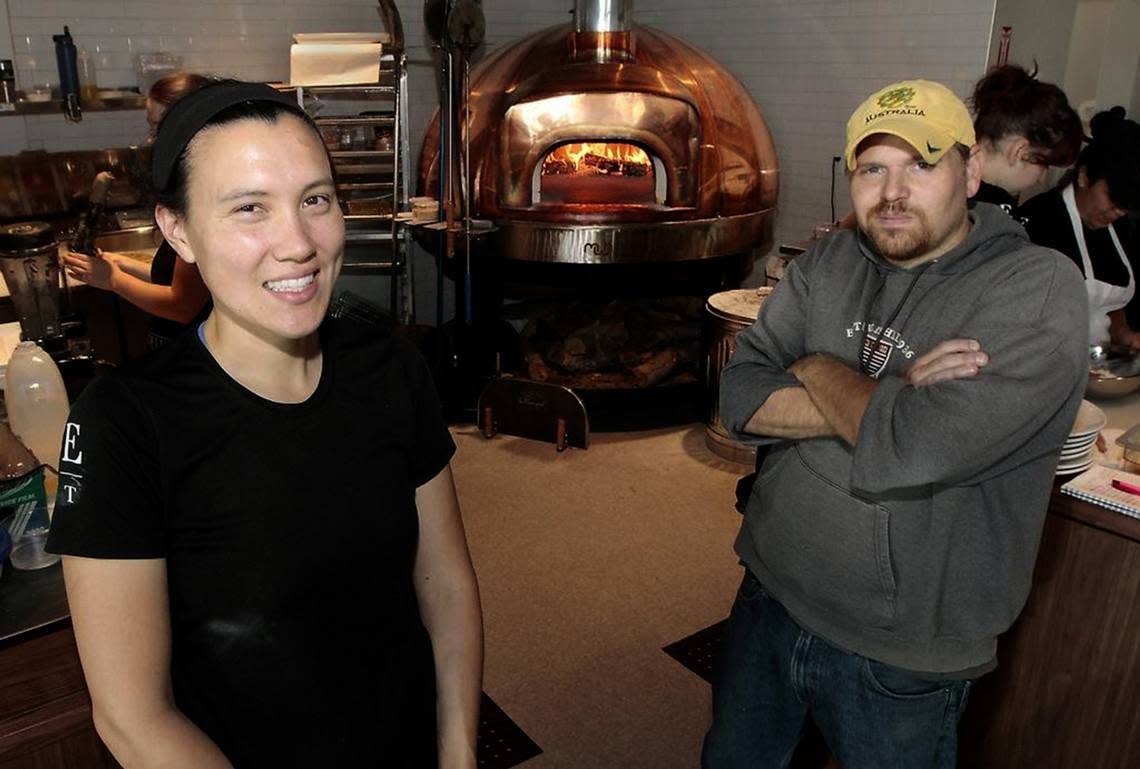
[95, 271]
[952, 359]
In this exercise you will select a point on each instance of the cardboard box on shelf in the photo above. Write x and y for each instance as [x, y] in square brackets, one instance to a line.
[336, 58]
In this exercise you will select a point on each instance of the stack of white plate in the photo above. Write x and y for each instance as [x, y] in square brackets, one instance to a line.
[1079, 451]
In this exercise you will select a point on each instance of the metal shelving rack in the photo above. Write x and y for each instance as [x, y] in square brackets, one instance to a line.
[381, 236]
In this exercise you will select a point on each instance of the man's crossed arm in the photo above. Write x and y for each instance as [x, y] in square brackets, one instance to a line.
[834, 396]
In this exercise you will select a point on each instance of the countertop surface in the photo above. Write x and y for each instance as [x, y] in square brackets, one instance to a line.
[30, 600]
[139, 255]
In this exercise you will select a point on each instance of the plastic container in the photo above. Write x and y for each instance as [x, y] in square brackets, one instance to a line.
[25, 498]
[154, 66]
[37, 401]
[28, 551]
[88, 78]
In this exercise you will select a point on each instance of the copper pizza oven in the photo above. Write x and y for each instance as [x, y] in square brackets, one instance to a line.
[607, 142]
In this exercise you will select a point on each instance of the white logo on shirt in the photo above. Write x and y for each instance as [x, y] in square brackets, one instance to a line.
[876, 345]
[71, 483]
[70, 438]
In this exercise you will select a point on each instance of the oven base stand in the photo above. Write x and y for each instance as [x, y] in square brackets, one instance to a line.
[536, 410]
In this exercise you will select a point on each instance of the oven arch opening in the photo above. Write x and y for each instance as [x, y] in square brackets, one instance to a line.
[599, 172]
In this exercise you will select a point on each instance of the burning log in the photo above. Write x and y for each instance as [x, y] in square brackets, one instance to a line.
[608, 165]
[635, 169]
[557, 167]
[597, 159]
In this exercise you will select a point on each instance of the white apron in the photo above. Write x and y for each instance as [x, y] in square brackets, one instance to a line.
[1103, 297]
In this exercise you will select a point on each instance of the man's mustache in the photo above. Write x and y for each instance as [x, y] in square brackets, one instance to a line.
[890, 208]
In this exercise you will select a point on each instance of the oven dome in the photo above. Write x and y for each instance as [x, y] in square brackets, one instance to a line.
[708, 184]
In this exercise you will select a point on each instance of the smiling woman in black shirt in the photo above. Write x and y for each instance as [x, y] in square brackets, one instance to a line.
[264, 556]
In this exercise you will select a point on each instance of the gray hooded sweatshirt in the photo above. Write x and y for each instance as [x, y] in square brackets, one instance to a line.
[915, 546]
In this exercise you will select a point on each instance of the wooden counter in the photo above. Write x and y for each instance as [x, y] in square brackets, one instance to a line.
[1066, 694]
[45, 712]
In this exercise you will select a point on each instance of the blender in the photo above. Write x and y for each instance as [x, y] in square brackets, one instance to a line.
[29, 259]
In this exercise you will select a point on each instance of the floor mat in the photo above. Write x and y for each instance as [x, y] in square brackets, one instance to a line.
[700, 651]
[501, 743]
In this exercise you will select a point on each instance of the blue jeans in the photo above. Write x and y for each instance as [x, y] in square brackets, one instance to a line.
[774, 675]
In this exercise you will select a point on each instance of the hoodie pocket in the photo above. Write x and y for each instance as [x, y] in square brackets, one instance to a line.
[830, 547]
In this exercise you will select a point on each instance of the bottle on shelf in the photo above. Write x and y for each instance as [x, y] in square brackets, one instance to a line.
[88, 78]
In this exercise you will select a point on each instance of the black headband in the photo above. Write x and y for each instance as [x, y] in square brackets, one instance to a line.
[189, 114]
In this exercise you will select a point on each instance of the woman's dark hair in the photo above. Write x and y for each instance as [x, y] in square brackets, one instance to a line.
[1009, 101]
[171, 186]
[1113, 154]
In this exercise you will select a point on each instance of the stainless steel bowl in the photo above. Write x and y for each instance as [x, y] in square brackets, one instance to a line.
[1114, 371]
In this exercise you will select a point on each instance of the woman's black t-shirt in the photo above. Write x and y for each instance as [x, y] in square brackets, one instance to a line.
[991, 193]
[289, 533]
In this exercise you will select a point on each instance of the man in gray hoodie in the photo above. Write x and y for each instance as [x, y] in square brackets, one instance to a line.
[916, 379]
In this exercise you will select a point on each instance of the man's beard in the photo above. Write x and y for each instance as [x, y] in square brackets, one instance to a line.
[895, 243]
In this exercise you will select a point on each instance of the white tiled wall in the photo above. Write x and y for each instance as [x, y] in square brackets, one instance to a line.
[809, 63]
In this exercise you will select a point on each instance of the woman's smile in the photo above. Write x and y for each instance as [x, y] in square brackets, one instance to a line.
[294, 290]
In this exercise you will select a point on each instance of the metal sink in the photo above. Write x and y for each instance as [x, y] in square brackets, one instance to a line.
[138, 242]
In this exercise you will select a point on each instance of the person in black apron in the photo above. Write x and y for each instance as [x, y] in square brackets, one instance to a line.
[1023, 126]
[1091, 217]
[168, 289]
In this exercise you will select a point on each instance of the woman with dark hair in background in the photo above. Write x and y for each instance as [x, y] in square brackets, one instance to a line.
[263, 550]
[169, 290]
[1023, 126]
[1091, 218]
[165, 91]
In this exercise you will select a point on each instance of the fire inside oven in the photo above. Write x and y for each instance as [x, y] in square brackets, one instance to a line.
[593, 173]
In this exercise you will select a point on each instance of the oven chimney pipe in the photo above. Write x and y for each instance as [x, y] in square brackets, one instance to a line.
[603, 31]
[603, 15]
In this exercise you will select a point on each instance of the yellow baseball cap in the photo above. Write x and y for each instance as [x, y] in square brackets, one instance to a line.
[926, 115]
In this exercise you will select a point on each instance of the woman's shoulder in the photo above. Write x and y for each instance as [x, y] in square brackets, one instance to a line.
[154, 381]
[991, 193]
[1047, 222]
[1047, 202]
